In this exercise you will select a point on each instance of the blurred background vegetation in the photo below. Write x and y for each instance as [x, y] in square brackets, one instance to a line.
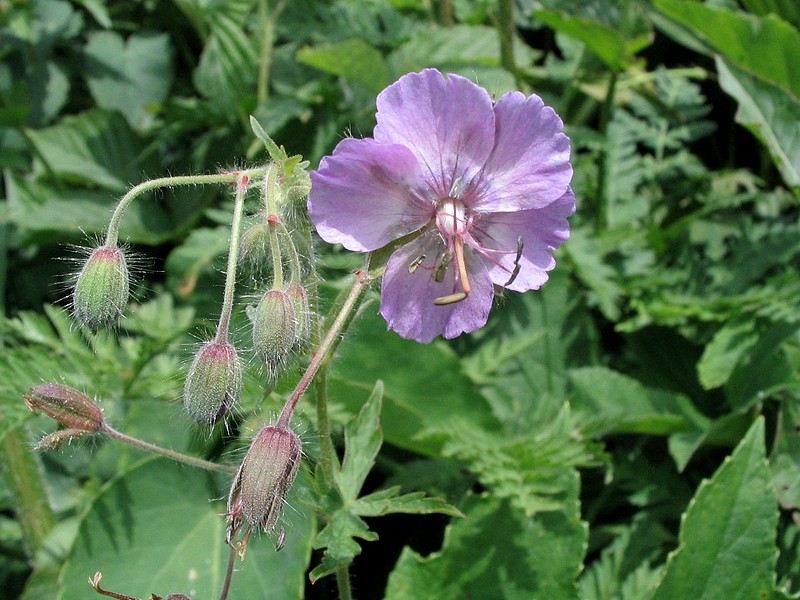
[574, 432]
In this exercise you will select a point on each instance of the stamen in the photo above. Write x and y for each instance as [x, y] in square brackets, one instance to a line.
[458, 246]
[416, 263]
[439, 270]
[515, 272]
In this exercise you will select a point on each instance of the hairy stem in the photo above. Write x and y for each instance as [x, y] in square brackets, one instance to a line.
[226, 585]
[233, 259]
[172, 454]
[329, 342]
[112, 234]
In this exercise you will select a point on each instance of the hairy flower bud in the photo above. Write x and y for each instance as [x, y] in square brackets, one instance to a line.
[213, 383]
[299, 298]
[102, 288]
[274, 329]
[71, 408]
[263, 479]
[54, 441]
[254, 245]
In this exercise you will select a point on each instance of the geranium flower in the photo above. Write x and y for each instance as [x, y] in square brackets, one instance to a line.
[485, 188]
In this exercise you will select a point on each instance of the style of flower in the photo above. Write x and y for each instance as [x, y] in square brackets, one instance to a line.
[483, 188]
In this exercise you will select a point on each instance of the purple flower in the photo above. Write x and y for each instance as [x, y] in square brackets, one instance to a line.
[485, 188]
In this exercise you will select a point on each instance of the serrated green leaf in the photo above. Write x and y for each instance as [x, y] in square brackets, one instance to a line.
[153, 530]
[337, 537]
[362, 442]
[770, 113]
[724, 351]
[275, 152]
[353, 59]
[496, 552]
[589, 266]
[226, 73]
[726, 547]
[384, 502]
[97, 147]
[129, 75]
[610, 401]
[784, 460]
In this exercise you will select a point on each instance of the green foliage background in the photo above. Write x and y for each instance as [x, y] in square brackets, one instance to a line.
[629, 432]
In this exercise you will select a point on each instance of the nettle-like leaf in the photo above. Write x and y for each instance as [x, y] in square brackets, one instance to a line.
[533, 471]
[498, 552]
[340, 504]
[726, 547]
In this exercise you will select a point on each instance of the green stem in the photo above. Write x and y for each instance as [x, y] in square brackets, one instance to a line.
[328, 453]
[267, 22]
[273, 222]
[112, 234]
[505, 27]
[177, 456]
[330, 341]
[343, 583]
[31, 506]
[601, 218]
[233, 259]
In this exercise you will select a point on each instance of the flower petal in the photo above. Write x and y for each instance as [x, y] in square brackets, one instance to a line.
[367, 194]
[542, 231]
[407, 297]
[529, 166]
[447, 123]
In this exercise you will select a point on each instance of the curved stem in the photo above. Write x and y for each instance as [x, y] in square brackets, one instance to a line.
[112, 234]
[273, 222]
[328, 343]
[226, 585]
[177, 456]
[233, 259]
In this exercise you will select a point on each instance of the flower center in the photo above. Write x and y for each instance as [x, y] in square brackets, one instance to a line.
[451, 217]
[452, 222]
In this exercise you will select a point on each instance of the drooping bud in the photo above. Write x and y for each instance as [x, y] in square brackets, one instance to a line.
[102, 288]
[299, 298]
[213, 383]
[274, 329]
[71, 408]
[263, 480]
[254, 245]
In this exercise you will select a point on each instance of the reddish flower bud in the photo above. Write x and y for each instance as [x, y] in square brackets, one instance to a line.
[71, 408]
[102, 288]
[213, 383]
[274, 329]
[263, 479]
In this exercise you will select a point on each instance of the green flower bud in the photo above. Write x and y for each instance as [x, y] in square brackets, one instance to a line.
[274, 329]
[71, 408]
[263, 480]
[302, 313]
[213, 383]
[102, 289]
[254, 245]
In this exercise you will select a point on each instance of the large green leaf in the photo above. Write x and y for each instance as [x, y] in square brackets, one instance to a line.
[96, 147]
[726, 549]
[424, 384]
[497, 552]
[770, 113]
[610, 401]
[129, 75]
[767, 47]
[153, 530]
[352, 59]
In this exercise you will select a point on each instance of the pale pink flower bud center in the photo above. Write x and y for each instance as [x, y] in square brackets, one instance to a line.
[451, 218]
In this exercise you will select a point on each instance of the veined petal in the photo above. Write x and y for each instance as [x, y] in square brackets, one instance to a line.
[447, 123]
[542, 231]
[367, 194]
[529, 166]
[409, 290]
